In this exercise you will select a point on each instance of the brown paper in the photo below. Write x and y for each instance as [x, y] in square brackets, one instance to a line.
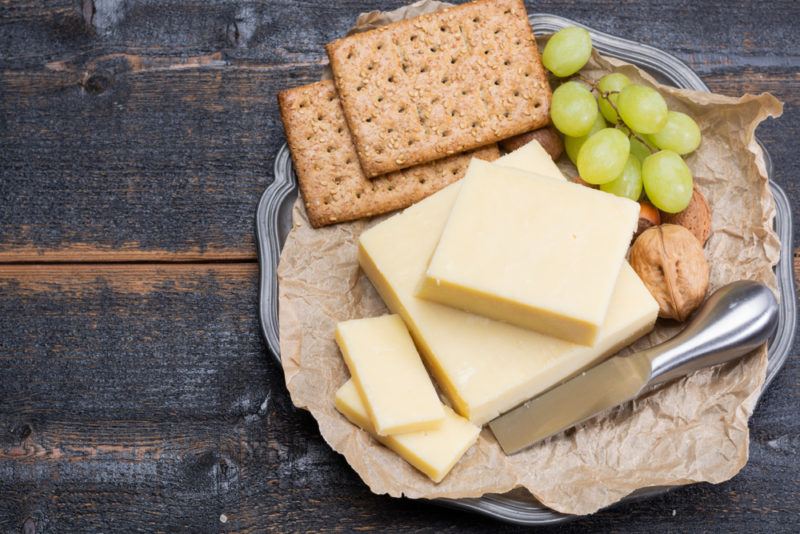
[695, 429]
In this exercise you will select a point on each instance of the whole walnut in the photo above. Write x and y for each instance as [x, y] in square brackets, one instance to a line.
[671, 263]
[696, 217]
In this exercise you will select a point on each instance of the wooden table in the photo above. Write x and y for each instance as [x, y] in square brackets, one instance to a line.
[136, 393]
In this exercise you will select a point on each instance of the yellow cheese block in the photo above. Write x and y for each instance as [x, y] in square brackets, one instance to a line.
[532, 158]
[539, 253]
[434, 452]
[389, 375]
[485, 367]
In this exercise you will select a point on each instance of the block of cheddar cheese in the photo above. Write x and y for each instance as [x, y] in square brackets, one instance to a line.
[434, 452]
[389, 374]
[539, 253]
[486, 367]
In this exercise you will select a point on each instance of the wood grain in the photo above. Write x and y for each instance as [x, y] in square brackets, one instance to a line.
[141, 397]
[155, 132]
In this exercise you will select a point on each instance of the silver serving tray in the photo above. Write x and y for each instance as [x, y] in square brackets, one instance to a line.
[274, 220]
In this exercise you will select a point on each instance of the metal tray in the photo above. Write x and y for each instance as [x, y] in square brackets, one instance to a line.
[274, 220]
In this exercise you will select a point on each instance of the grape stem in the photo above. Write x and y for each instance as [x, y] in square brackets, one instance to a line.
[621, 122]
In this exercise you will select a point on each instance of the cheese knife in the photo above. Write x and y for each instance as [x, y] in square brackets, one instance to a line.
[735, 320]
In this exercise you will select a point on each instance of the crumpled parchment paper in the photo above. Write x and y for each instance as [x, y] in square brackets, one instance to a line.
[694, 429]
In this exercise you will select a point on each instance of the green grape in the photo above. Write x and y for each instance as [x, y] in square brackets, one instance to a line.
[608, 83]
[573, 145]
[573, 109]
[680, 134]
[629, 183]
[642, 109]
[639, 149]
[567, 51]
[667, 181]
[603, 156]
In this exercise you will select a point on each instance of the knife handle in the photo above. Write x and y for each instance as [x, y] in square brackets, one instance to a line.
[735, 320]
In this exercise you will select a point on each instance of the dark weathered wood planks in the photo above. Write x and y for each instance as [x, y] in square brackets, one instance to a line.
[140, 397]
[155, 128]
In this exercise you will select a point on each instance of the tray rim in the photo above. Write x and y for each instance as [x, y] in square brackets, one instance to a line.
[279, 195]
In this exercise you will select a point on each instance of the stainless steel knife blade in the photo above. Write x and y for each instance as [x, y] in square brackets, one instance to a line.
[735, 320]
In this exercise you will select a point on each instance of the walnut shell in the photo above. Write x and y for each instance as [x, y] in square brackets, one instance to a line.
[548, 137]
[671, 263]
[696, 217]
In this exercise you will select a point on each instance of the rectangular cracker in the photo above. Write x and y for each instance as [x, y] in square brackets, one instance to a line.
[333, 186]
[442, 83]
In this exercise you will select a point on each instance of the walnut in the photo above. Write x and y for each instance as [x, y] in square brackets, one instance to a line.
[671, 263]
[547, 136]
[696, 217]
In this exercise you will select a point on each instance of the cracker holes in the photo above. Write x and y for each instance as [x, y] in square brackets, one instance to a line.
[446, 133]
[476, 20]
[359, 193]
[303, 104]
[516, 93]
[445, 79]
[453, 61]
[486, 52]
[537, 105]
[423, 69]
[359, 88]
[330, 149]
[401, 109]
[348, 161]
[380, 46]
[390, 188]
[412, 38]
[442, 29]
[422, 181]
[369, 119]
[433, 49]
[497, 82]
[507, 62]
[380, 99]
[411, 142]
[390, 79]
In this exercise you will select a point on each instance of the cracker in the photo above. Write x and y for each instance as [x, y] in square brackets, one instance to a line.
[333, 186]
[424, 88]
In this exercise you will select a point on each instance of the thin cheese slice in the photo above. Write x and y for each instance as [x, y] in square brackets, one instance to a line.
[434, 452]
[389, 375]
[532, 251]
[485, 367]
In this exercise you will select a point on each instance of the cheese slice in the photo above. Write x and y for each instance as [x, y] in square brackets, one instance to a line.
[389, 375]
[532, 251]
[434, 452]
[485, 367]
[532, 158]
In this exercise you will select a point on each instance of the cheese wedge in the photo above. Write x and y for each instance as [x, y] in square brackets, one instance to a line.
[485, 367]
[434, 452]
[389, 375]
[532, 251]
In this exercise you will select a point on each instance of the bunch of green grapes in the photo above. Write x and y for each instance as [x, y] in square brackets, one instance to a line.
[619, 134]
